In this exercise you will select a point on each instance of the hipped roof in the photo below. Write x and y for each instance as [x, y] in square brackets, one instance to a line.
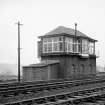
[61, 30]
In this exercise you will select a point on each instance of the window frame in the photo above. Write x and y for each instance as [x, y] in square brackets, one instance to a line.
[85, 47]
[91, 48]
[54, 41]
[68, 44]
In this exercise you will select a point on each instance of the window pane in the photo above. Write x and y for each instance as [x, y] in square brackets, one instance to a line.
[45, 48]
[68, 44]
[44, 40]
[49, 39]
[91, 48]
[55, 47]
[61, 46]
[39, 48]
[75, 45]
[49, 47]
[84, 46]
[70, 47]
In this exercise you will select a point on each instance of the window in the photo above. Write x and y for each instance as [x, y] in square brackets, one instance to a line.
[68, 44]
[91, 48]
[45, 40]
[55, 47]
[80, 46]
[75, 46]
[44, 47]
[49, 40]
[72, 45]
[85, 46]
[54, 44]
[49, 47]
[57, 44]
[61, 46]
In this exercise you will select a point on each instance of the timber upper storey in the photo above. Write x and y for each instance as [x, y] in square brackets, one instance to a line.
[64, 40]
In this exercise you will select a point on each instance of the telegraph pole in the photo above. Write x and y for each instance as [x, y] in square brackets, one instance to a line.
[19, 24]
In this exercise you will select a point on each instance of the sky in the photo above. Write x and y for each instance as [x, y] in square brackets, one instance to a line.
[41, 16]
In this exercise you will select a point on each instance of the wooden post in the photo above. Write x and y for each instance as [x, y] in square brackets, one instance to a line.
[18, 50]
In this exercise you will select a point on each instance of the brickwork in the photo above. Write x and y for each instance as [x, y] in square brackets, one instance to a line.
[73, 65]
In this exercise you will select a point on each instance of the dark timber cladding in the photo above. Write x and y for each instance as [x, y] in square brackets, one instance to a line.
[41, 71]
[71, 52]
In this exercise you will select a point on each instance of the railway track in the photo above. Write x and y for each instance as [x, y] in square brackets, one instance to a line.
[32, 91]
[9, 84]
[17, 88]
[73, 95]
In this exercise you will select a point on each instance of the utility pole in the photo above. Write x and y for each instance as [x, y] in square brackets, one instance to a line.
[19, 24]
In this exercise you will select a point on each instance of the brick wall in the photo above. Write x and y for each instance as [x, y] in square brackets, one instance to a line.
[73, 65]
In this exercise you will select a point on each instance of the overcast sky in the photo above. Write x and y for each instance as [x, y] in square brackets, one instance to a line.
[41, 16]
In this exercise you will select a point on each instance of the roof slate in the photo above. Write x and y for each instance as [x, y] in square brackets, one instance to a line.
[62, 29]
[69, 31]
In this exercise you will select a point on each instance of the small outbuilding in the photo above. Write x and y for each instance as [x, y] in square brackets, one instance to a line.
[46, 70]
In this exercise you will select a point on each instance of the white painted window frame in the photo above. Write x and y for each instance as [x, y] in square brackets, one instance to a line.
[91, 48]
[52, 42]
[68, 41]
[85, 47]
